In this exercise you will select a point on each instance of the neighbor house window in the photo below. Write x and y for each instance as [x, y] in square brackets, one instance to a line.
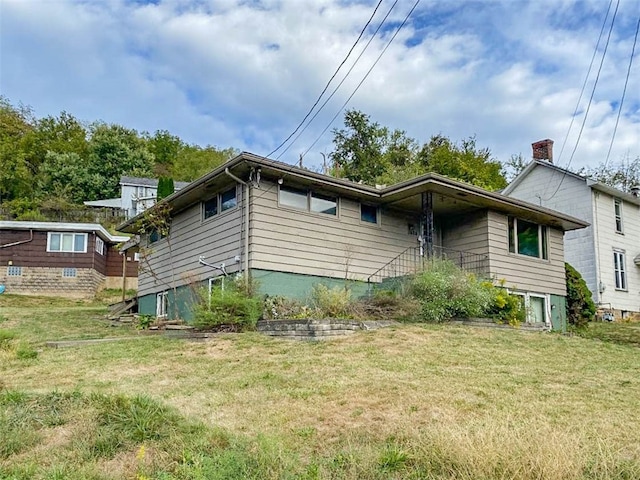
[309, 201]
[67, 242]
[99, 246]
[220, 203]
[14, 271]
[162, 302]
[368, 213]
[620, 270]
[617, 208]
[527, 238]
[69, 272]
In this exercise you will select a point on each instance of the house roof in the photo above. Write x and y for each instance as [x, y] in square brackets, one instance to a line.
[109, 203]
[63, 227]
[594, 184]
[452, 195]
[147, 182]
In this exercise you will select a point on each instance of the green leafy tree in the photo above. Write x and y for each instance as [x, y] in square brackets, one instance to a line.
[165, 148]
[193, 161]
[580, 306]
[114, 151]
[16, 174]
[365, 151]
[464, 162]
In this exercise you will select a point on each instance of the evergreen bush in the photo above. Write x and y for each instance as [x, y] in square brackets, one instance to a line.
[580, 306]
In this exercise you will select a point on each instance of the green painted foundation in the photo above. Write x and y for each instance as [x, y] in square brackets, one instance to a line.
[298, 287]
[179, 303]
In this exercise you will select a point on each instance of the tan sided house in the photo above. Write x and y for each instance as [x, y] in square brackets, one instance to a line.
[73, 260]
[290, 228]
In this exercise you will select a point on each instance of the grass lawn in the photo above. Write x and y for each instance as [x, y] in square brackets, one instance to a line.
[414, 401]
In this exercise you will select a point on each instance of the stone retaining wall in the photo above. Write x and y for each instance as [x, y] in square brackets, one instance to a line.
[311, 329]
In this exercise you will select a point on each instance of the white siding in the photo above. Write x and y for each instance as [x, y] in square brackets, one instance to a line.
[573, 198]
[173, 261]
[289, 240]
[628, 241]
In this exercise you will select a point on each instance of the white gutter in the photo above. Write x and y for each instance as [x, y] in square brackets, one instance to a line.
[245, 206]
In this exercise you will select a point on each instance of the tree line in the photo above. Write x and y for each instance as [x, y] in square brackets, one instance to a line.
[60, 161]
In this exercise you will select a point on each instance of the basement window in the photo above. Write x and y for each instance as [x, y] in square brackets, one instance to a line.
[14, 271]
[69, 272]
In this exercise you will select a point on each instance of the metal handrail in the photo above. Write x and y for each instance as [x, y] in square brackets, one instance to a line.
[414, 259]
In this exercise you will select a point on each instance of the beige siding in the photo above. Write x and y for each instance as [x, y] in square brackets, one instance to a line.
[565, 193]
[469, 233]
[522, 272]
[295, 241]
[173, 261]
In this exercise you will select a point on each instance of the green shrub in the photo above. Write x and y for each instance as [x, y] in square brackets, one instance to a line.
[506, 307]
[580, 306]
[279, 307]
[445, 291]
[332, 302]
[230, 306]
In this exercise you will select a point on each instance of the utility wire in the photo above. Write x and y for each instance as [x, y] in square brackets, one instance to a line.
[354, 92]
[364, 29]
[586, 113]
[341, 82]
[364, 78]
[624, 91]
[586, 79]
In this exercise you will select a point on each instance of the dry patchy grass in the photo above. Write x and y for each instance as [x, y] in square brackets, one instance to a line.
[406, 402]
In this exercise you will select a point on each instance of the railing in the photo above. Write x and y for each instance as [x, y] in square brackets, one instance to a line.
[416, 259]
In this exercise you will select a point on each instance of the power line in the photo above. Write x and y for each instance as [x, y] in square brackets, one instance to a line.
[354, 92]
[330, 80]
[364, 78]
[624, 91]
[586, 113]
[341, 82]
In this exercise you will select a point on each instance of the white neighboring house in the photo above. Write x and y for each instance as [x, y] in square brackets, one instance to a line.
[607, 253]
[136, 195]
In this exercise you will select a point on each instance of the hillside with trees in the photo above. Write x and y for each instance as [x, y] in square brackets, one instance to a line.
[55, 163]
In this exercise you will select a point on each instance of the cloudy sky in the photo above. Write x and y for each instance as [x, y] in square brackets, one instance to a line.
[243, 73]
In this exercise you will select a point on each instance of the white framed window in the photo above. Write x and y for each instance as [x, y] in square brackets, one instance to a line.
[162, 303]
[617, 210]
[67, 242]
[69, 272]
[535, 306]
[620, 269]
[308, 200]
[136, 257]
[99, 245]
[528, 238]
[13, 271]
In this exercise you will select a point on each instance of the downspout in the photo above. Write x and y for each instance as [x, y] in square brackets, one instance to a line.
[245, 207]
[20, 242]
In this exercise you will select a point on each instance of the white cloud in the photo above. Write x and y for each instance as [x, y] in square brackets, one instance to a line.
[243, 74]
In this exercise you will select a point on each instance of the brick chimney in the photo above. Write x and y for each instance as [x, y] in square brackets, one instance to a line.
[543, 150]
